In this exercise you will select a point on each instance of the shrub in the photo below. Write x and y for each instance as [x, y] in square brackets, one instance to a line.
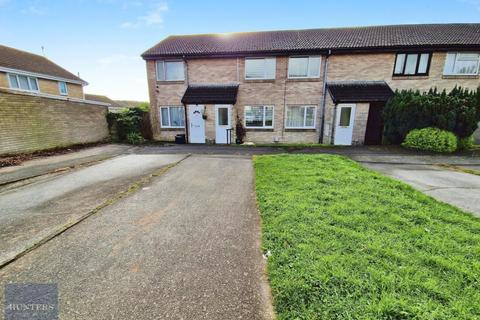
[431, 139]
[134, 138]
[465, 143]
[458, 112]
[240, 131]
[128, 122]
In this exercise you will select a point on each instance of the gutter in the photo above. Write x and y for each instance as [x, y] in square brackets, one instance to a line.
[324, 97]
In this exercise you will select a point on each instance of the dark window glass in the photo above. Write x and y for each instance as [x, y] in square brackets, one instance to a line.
[412, 64]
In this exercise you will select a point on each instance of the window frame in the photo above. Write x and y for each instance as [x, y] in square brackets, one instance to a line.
[169, 117]
[416, 74]
[264, 109]
[165, 70]
[457, 53]
[29, 78]
[308, 64]
[265, 69]
[60, 88]
[305, 106]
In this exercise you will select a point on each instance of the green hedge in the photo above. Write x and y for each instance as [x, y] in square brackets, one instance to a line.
[431, 139]
[129, 124]
[457, 111]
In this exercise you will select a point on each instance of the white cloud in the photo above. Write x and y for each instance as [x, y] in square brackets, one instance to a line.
[120, 76]
[117, 58]
[33, 10]
[154, 17]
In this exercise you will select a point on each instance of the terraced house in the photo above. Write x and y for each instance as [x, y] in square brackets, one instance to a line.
[317, 85]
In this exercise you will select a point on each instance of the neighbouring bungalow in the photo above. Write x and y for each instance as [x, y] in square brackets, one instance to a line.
[316, 86]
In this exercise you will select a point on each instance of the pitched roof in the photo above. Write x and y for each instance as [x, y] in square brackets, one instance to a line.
[25, 61]
[359, 91]
[440, 36]
[128, 103]
[211, 93]
[100, 98]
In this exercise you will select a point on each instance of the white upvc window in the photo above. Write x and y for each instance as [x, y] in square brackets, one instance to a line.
[304, 67]
[259, 117]
[170, 70]
[62, 87]
[172, 117]
[300, 117]
[462, 63]
[260, 68]
[21, 82]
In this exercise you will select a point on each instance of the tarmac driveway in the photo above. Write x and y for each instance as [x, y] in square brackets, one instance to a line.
[185, 246]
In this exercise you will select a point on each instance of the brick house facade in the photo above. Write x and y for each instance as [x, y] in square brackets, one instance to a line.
[304, 108]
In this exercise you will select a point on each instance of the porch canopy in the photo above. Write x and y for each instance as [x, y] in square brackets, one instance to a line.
[359, 91]
[211, 94]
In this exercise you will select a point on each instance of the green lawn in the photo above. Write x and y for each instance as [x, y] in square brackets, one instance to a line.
[348, 243]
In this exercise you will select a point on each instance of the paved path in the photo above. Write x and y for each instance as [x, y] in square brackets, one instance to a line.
[184, 247]
[457, 188]
[41, 166]
[31, 213]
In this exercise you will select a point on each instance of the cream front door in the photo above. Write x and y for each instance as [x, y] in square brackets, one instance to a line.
[344, 124]
[196, 127]
[223, 122]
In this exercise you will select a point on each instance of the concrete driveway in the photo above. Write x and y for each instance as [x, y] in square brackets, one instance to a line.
[456, 188]
[184, 246]
[36, 211]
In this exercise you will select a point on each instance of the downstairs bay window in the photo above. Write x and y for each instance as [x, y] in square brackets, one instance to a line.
[172, 117]
[260, 117]
[300, 117]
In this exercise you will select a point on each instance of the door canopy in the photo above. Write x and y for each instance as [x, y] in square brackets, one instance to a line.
[211, 94]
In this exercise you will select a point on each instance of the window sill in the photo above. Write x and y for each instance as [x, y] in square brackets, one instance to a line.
[259, 80]
[171, 82]
[172, 129]
[460, 76]
[259, 129]
[412, 77]
[303, 80]
[300, 129]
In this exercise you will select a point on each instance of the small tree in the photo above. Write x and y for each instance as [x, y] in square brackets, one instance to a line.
[240, 131]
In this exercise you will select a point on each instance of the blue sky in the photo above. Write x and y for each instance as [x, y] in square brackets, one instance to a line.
[103, 39]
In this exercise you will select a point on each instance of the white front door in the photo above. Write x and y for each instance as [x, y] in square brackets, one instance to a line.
[223, 122]
[196, 127]
[344, 124]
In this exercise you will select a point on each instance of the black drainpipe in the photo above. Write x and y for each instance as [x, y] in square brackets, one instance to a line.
[324, 98]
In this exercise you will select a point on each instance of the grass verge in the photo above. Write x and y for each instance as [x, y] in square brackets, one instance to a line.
[348, 243]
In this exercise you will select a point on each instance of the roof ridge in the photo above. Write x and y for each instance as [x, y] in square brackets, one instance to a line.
[315, 29]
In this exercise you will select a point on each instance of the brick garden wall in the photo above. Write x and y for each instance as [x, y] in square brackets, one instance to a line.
[29, 123]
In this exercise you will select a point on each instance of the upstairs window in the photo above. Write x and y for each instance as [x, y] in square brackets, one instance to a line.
[172, 117]
[260, 117]
[300, 117]
[304, 67]
[23, 82]
[62, 87]
[462, 63]
[412, 64]
[170, 71]
[260, 68]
